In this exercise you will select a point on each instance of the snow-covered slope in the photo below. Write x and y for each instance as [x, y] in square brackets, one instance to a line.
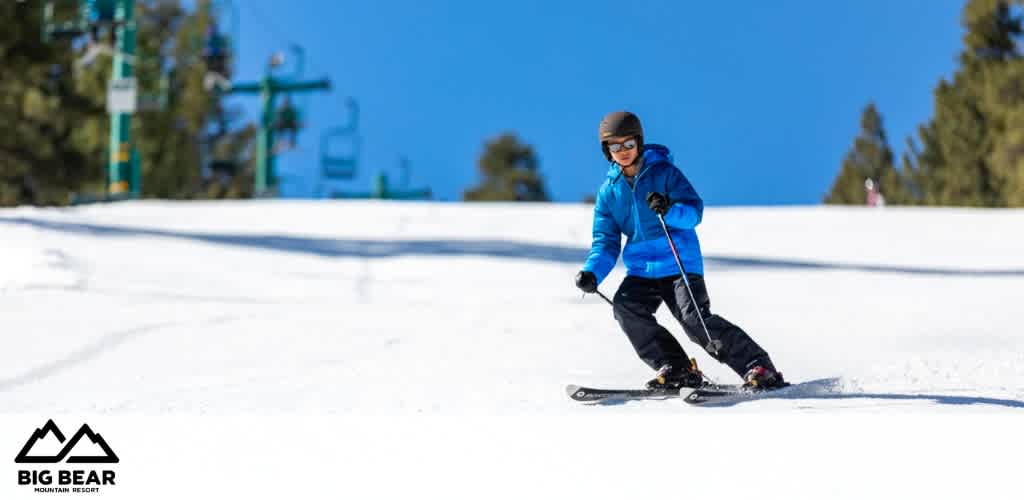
[276, 349]
[372, 308]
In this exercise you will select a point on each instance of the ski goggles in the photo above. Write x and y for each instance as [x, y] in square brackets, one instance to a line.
[615, 147]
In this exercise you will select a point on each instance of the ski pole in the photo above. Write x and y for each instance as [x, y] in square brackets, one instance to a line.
[602, 296]
[713, 345]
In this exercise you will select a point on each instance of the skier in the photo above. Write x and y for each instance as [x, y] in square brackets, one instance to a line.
[287, 124]
[643, 183]
[215, 51]
[874, 194]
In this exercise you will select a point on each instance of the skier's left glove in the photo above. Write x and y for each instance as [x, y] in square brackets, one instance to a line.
[658, 203]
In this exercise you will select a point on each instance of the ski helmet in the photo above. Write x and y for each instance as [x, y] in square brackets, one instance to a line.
[620, 124]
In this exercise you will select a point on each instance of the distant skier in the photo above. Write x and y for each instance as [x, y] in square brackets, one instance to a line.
[643, 182]
[874, 194]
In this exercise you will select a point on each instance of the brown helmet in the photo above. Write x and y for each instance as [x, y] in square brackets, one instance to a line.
[620, 124]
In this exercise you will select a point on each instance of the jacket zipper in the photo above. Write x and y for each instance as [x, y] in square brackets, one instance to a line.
[636, 212]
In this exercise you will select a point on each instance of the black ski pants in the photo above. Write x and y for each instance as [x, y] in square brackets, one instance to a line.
[636, 302]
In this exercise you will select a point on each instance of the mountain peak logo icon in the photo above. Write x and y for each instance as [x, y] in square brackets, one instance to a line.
[48, 446]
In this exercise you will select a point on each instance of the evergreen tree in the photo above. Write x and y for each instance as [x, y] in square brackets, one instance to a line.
[1007, 159]
[965, 158]
[869, 158]
[45, 117]
[509, 171]
[189, 148]
[972, 150]
[54, 129]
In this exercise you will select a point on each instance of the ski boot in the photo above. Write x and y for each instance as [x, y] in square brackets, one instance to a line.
[670, 378]
[763, 378]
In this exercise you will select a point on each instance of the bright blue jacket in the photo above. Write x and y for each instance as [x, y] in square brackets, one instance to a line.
[621, 209]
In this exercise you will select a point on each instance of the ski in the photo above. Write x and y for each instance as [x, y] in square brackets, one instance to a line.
[710, 394]
[724, 394]
[596, 395]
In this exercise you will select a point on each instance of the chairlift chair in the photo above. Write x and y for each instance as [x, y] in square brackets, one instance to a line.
[336, 166]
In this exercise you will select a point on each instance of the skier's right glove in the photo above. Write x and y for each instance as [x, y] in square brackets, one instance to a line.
[586, 281]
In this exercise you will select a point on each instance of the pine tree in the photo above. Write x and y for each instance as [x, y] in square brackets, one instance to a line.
[1003, 99]
[179, 143]
[869, 158]
[45, 118]
[964, 157]
[509, 171]
[1007, 159]
[54, 129]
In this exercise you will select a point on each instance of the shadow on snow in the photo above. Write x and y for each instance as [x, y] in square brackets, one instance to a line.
[829, 389]
[362, 248]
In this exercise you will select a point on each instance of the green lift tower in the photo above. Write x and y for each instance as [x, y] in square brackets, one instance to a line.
[269, 88]
[124, 179]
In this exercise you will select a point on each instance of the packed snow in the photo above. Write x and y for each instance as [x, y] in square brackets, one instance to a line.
[371, 307]
[391, 309]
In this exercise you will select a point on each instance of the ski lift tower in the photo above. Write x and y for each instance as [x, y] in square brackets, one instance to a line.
[269, 89]
[124, 178]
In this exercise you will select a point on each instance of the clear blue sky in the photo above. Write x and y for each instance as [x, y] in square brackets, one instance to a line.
[758, 101]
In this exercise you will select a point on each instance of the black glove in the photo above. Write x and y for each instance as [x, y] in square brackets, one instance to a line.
[586, 281]
[658, 202]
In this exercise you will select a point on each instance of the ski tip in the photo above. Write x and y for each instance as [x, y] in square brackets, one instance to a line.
[571, 389]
